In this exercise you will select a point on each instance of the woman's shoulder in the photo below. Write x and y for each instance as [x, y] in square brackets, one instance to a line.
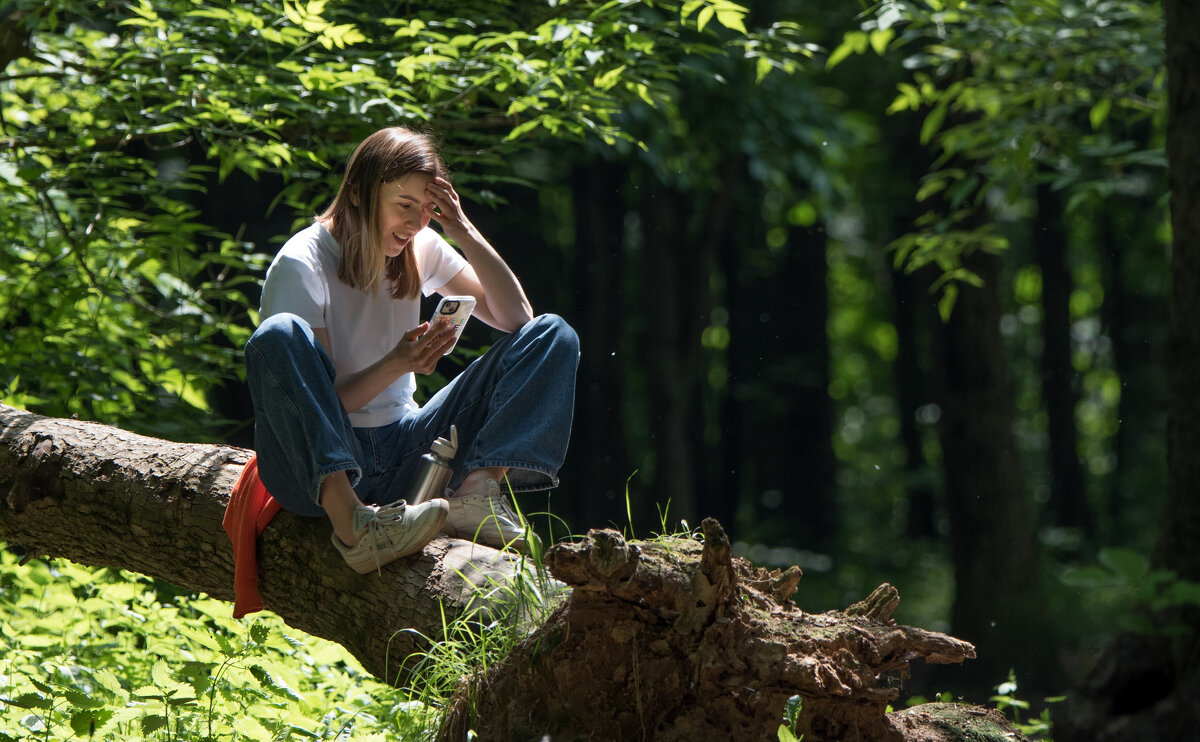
[312, 242]
[312, 248]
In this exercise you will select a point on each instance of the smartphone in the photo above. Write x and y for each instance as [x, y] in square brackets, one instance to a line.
[457, 309]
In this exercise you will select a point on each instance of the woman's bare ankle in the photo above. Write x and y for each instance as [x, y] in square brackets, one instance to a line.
[475, 480]
[339, 501]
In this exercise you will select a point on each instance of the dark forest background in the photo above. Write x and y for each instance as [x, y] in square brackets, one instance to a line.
[884, 289]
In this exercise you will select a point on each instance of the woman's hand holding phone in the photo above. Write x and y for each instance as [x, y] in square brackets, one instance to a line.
[421, 347]
[456, 310]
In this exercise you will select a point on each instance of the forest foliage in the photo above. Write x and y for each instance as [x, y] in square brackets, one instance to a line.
[118, 115]
[758, 215]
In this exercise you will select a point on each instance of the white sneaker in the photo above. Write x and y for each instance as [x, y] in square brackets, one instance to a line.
[396, 530]
[487, 518]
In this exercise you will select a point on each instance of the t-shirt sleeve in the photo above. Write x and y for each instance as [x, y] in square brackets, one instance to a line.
[294, 286]
[439, 262]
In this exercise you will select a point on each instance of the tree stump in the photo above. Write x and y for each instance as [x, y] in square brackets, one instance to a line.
[677, 640]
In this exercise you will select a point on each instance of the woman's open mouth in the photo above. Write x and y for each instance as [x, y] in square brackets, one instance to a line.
[399, 243]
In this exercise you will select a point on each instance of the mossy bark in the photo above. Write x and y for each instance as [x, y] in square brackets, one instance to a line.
[678, 640]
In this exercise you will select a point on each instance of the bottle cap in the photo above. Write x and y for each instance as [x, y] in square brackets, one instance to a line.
[447, 448]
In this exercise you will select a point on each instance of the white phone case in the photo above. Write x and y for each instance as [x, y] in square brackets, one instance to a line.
[457, 309]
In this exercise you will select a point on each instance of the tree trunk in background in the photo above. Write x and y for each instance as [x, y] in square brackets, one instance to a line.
[913, 311]
[1147, 687]
[1060, 393]
[725, 236]
[1136, 320]
[675, 303]
[780, 368]
[598, 458]
[992, 543]
[1179, 537]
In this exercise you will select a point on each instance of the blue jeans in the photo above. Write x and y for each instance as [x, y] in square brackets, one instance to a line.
[513, 408]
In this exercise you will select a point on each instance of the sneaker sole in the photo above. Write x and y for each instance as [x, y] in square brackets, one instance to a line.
[518, 545]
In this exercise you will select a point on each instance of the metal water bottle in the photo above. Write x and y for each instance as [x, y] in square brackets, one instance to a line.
[435, 470]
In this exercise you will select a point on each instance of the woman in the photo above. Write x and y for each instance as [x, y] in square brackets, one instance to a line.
[331, 366]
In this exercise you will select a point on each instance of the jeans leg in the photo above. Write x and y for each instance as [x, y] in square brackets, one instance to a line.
[513, 408]
[301, 431]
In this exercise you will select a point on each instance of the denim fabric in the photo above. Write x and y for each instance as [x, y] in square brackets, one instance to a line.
[512, 407]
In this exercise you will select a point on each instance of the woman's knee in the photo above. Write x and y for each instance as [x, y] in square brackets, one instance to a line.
[556, 331]
[277, 333]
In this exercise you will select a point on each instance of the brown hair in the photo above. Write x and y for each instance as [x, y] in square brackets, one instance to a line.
[384, 156]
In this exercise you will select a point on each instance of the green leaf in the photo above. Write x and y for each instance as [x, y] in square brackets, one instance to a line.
[80, 700]
[933, 122]
[30, 701]
[161, 675]
[880, 38]
[151, 723]
[1087, 577]
[609, 78]
[1128, 565]
[762, 68]
[259, 633]
[946, 303]
[853, 42]
[731, 15]
[148, 692]
[1099, 113]
[85, 723]
[108, 680]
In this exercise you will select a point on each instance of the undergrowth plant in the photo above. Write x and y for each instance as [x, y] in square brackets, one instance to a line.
[502, 613]
[103, 654]
[1035, 727]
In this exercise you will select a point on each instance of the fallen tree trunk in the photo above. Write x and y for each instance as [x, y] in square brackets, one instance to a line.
[666, 640]
[102, 496]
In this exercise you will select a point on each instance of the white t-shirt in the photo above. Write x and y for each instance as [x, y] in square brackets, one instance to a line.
[303, 280]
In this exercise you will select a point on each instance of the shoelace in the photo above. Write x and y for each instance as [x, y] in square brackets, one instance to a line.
[375, 531]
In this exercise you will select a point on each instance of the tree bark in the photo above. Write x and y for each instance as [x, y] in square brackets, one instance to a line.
[102, 496]
[1060, 393]
[992, 541]
[677, 640]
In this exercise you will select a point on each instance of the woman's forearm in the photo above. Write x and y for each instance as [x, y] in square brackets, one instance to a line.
[503, 296]
[417, 351]
[357, 389]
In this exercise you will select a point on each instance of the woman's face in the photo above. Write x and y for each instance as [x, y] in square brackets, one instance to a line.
[404, 209]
